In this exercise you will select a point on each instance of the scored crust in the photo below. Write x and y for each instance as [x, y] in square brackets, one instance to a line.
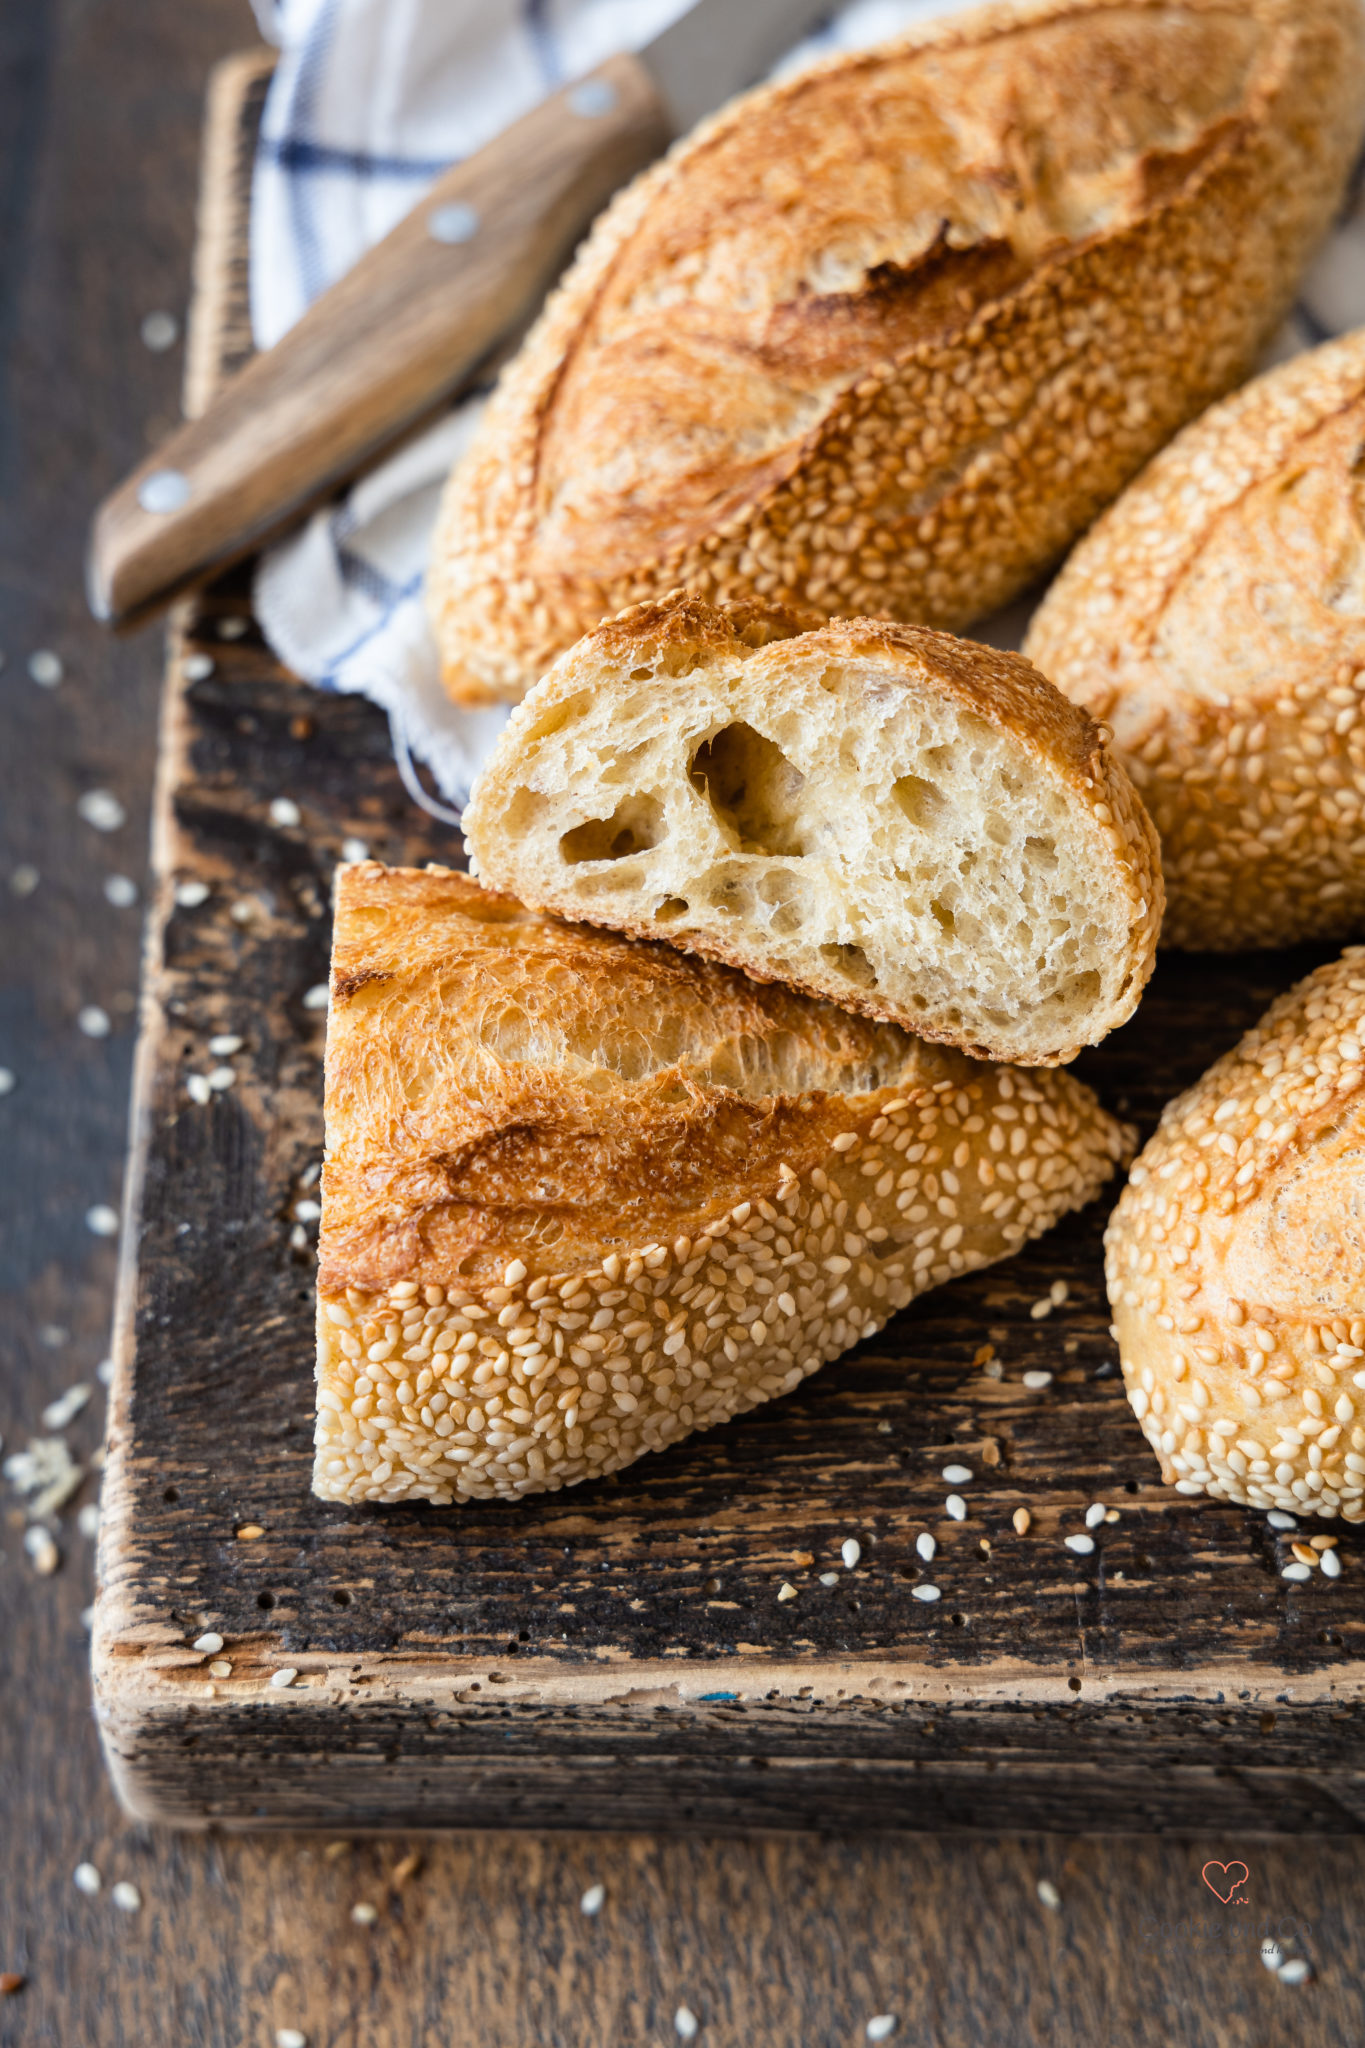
[1236, 1263]
[917, 827]
[583, 1196]
[1215, 617]
[885, 336]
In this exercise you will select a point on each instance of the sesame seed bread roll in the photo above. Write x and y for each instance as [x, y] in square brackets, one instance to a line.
[884, 337]
[584, 1196]
[1215, 618]
[1236, 1263]
[917, 827]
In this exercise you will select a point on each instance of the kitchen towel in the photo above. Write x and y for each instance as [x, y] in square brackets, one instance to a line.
[370, 101]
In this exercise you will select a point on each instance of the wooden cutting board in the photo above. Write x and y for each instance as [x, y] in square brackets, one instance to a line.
[617, 1655]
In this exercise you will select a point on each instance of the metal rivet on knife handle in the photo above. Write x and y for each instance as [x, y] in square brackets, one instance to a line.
[454, 223]
[165, 490]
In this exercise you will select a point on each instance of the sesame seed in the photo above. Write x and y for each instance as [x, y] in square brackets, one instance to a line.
[1022, 1520]
[284, 1677]
[1049, 1894]
[1036, 1381]
[93, 1021]
[1295, 1971]
[45, 668]
[1095, 1514]
[224, 1045]
[317, 997]
[958, 1475]
[88, 1520]
[210, 1643]
[354, 850]
[786, 1591]
[249, 1532]
[1330, 1562]
[86, 1879]
[290, 2037]
[1272, 1955]
[121, 891]
[199, 1088]
[926, 1546]
[956, 1506]
[593, 1900]
[1082, 1545]
[1278, 1519]
[198, 667]
[232, 629]
[102, 809]
[101, 1220]
[926, 1593]
[24, 879]
[515, 1273]
[126, 1897]
[220, 1668]
[1305, 1554]
[8, 1081]
[685, 2024]
[829, 1578]
[159, 332]
[307, 1211]
[850, 1550]
[59, 1414]
[882, 2027]
[1042, 1308]
[1296, 1572]
[284, 811]
[189, 895]
[364, 1914]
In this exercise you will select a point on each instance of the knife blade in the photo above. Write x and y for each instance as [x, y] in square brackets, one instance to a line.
[405, 328]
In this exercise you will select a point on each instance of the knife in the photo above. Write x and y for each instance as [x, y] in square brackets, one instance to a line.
[405, 327]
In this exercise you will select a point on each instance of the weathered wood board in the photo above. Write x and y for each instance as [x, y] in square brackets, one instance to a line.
[617, 1655]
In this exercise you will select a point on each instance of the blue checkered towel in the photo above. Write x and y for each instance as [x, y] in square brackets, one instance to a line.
[370, 101]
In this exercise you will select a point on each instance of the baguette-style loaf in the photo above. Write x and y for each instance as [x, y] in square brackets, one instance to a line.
[1215, 617]
[1236, 1263]
[583, 1196]
[885, 337]
[917, 827]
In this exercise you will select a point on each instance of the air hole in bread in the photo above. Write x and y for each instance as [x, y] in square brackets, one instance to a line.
[753, 789]
[670, 909]
[852, 963]
[1044, 851]
[922, 802]
[943, 914]
[636, 825]
[641, 675]
[782, 891]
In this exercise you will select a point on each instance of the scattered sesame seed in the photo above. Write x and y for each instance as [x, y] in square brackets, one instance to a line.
[1305, 1554]
[956, 1506]
[883, 1429]
[1049, 1895]
[926, 1546]
[248, 1532]
[1278, 1519]
[159, 332]
[126, 1897]
[829, 1578]
[189, 895]
[220, 1668]
[7, 1080]
[1082, 1545]
[24, 879]
[1058, 1293]
[104, 1372]
[1295, 1971]
[224, 1045]
[1331, 1564]
[290, 2037]
[1041, 1308]
[364, 1914]
[220, 1078]
[851, 1550]
[354, 850]
[284, 811]
[593, 1900]
[307, 1211]
[102, 1220]
[210, 1643]
[244, 909]
[786, 1591]
[1022, 1520]
[198, 667]
[285, 1676]
[94, 1021]
[102, 809]
[1272, 1955]
[45, 668]
[121, 891]
[685, 2024]
[1036, 1381]
[316, 998]
[43, 1552]
[925, 1593]
[64, 1410]
[88, 1521]
[232, 629]
[882, 2027]
[1112, 1515]
[958, 1475]
[1095, 1514]
[198, 1088]
[1296, 1572]
[86, 1879]
[87, 1619]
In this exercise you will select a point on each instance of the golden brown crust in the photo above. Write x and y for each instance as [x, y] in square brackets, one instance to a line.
[683, 642]
[1215, 618]
[885, 336]
[1236, 1263]
[583, 1196]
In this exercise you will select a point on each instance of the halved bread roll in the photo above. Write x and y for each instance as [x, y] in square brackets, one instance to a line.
[583, 1196]
[916, 827]
[1236, 1263]
[1215, 617]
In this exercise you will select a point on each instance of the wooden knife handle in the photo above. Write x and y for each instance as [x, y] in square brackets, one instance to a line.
[381, 347]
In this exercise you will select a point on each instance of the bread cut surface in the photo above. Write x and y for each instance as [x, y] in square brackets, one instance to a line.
[1236, 1263]
[1215, 618]
[583, 1196]
[916, 827]
[884, 337]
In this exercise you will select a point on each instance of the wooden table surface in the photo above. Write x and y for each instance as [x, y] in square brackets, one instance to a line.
[793, 1940]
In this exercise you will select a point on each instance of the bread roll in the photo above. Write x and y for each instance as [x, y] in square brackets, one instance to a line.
[1236, 1263]
[916, 827]
[886, 336]
[1215, 618]
[582, 1196]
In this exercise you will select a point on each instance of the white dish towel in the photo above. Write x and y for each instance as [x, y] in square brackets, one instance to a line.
[371, 100]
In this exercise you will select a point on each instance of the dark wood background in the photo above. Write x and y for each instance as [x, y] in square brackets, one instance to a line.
[797, 1939]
